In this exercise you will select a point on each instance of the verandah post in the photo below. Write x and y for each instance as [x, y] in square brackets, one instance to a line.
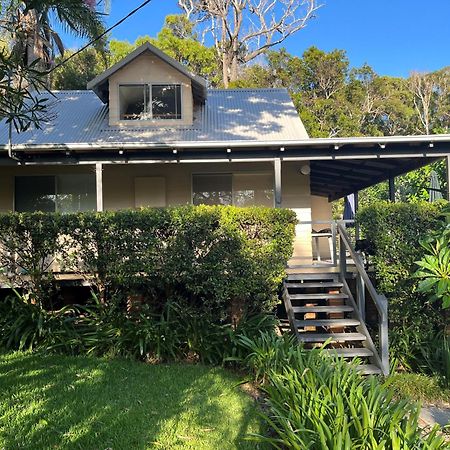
[447, 163]
[277, 172]
[99, 185]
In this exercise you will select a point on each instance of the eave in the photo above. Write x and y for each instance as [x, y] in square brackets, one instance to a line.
[339, 166]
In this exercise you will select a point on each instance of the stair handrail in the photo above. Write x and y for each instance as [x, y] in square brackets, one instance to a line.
[380, 300]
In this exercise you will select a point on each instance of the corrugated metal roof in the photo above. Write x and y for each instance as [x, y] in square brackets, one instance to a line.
[257, 115]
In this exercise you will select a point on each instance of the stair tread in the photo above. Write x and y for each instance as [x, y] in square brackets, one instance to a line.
[312, 276]
[316, 296]
[323, 284]
[369, 369]
[322, 309]
[328, 323]
[351, 352]
[334, 337]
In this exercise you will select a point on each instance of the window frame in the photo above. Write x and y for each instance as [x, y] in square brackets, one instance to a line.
[148, 86]
[261, 172]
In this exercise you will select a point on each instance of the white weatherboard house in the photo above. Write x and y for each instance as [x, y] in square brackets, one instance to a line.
[147, 132]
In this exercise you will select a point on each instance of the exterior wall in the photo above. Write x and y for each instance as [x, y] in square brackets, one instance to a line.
[125, 186]
[119, 188]
[147, 68]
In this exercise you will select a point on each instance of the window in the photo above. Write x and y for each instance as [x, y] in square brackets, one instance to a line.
[61, 193]
[212, 189]
[241, 189]
[146, 102]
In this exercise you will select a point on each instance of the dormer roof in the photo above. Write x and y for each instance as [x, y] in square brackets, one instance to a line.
[100, 83]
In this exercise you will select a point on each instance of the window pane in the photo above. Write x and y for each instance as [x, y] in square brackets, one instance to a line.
[212, 189]
[253, 190]
[166, 101]
[35, 193]
[132, 102]
[75, 192]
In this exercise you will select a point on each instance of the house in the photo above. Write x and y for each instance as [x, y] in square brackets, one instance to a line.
[147, 132]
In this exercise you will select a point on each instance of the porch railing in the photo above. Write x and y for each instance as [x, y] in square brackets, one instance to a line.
[348, 262]
[364, 285]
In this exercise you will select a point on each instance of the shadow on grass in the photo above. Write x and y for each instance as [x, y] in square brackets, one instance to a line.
[90, 403]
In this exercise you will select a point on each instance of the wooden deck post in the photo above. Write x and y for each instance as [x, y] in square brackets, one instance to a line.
[392, 189]
[447, 163]
[99, 185]
[277, 172]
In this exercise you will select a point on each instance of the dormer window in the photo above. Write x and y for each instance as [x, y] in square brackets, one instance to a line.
[150, 101]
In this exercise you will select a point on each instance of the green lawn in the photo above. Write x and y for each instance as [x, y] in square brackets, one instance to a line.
[89, 403]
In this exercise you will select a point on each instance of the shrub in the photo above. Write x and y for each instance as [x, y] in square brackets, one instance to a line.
[434, 267]
[318, 401]
[207, 257]
[177, 333]
[394, 231]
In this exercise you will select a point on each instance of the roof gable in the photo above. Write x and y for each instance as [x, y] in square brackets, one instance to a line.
[100, 83]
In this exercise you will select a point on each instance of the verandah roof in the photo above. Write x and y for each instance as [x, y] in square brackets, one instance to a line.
[339, 166]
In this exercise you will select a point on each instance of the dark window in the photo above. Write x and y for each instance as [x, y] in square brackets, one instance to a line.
[146, 102]
[61, 193]
[214, 189]
[35, 194]
[133, 102]
[166, 101]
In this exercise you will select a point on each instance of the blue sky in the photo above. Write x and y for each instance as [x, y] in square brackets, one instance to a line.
[393, 36]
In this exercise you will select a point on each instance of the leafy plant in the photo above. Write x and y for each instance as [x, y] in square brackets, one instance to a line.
[318, 401]
[434, 267]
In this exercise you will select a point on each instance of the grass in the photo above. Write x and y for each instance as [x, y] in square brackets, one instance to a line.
[421, 388]
[90, 403]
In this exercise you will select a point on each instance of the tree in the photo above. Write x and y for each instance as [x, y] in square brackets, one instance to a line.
[78, 71]
[242, 30]
[178, 39]
[431, 92]
[35, 38]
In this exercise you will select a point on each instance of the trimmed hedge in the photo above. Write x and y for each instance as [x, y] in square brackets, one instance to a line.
[205, 256]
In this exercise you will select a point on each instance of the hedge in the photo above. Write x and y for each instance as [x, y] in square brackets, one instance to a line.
[394, 231]
[205, 256]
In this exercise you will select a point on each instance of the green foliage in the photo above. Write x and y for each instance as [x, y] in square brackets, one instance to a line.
[77, 72]
[179, 332]
[394, 231]
[209, 257]
[434, 267]
[182, 272]
[178, 39]
[419, 388]
[318, 401]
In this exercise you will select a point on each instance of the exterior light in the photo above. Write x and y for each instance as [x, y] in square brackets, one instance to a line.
[228, 150]
[336, 147]
[305, 169]
[120, 152]
[281, 149]
[174, 151]
[383, 146]
[67, 152]
[431, 145]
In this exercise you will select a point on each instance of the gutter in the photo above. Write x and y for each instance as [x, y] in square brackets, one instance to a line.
[337, 143]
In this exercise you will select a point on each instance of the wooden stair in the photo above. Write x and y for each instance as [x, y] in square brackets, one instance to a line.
[320, 312]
